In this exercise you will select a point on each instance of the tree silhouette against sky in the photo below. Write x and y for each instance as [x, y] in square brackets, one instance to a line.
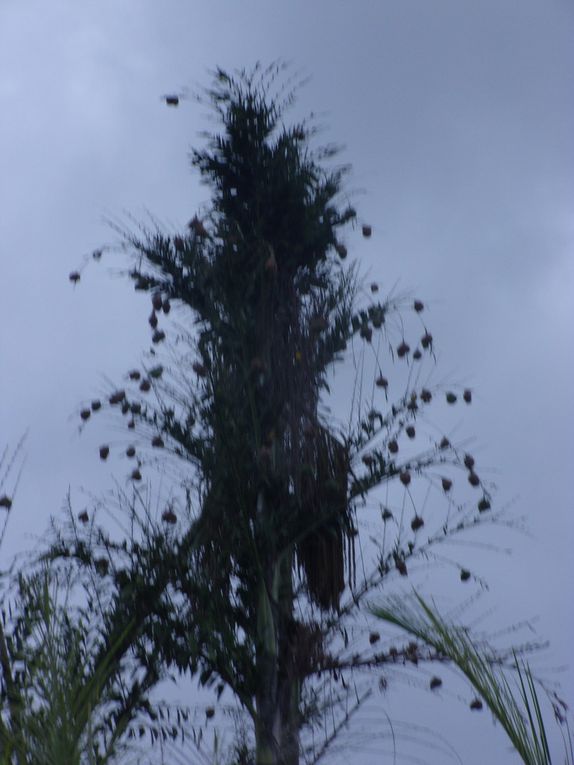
[252, 573]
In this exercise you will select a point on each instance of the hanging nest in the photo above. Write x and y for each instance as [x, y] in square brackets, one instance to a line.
[327, 550]
[305, 645]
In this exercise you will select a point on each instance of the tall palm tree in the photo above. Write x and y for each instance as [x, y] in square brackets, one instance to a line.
[246, 582]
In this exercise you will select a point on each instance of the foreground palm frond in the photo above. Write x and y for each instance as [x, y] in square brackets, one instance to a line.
[53, 698]
[519, 713]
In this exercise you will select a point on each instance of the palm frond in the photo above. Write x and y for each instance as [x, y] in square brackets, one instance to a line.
[518, 711]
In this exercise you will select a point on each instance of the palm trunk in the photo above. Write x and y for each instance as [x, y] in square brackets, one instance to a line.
[277, 696]
[277, 704]
[289, 715]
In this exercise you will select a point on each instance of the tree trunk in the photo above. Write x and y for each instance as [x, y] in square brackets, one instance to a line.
[288, 691]
[277, 696]
[277, 724]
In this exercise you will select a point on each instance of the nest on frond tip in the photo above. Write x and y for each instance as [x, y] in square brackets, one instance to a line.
[327, 550]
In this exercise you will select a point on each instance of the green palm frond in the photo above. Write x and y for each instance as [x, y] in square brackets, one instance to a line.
[518, 711]
[55, 697]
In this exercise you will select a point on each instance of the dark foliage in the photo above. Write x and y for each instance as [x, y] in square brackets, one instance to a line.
[244, 585]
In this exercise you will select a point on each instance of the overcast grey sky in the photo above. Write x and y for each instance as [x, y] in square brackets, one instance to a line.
[457, 118]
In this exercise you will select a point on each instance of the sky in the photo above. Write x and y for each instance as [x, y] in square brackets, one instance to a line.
[457, 119]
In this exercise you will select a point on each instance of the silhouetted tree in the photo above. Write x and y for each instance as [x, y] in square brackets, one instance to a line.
[252, 579]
